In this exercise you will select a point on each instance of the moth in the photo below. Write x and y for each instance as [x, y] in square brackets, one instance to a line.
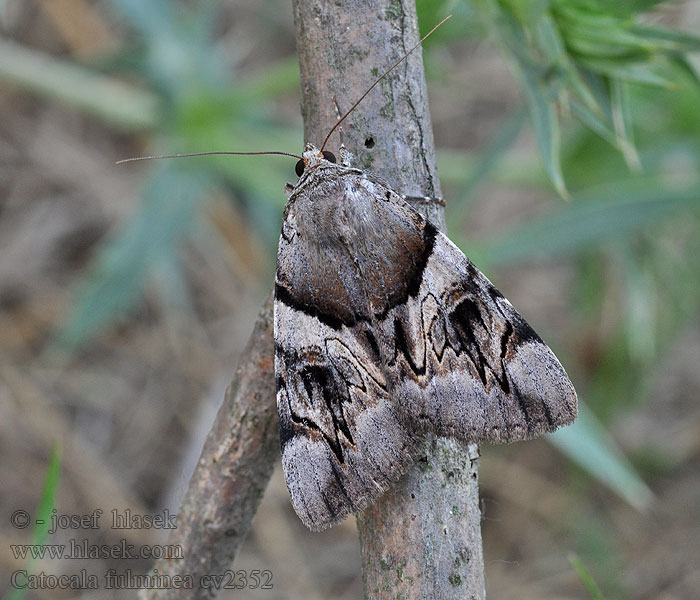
[385, 331]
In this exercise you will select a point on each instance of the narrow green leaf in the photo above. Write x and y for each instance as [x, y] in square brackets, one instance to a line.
[670, 39]
[608, 212]
[544, 122]
[623, 127]
[684, 66]
[594, 122]
[539, 92]
[602, 17]
[550, 39]
[585, 577]
[647, 73]
[588, 444]
[48, 495]
[615, 39]
[584, 49]
[42, 518]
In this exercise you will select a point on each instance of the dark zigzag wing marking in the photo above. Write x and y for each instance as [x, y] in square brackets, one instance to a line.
[384, 329]
[490, 377]
[343, 443]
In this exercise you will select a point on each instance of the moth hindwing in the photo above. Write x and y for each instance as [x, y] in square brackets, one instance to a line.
[384, 330]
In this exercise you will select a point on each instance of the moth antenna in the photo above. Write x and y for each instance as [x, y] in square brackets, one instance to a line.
[137, 158]
[389, 70]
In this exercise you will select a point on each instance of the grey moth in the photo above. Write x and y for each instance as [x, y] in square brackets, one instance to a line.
[385, 331]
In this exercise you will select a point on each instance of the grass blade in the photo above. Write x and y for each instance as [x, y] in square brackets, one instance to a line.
[540, 100]
[586, 578]
[47, 502]
[606, 213]
[647, 73]
[589, 445]
[623, 127]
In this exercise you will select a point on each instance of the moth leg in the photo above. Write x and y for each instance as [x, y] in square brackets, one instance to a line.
[340, 127]
[346, 157]
[424, 200]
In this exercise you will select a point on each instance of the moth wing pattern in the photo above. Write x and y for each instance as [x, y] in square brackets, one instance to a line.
[464, 362]
[384, 330]
[343, 440]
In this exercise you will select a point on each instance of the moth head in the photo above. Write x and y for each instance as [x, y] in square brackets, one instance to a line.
[312, 157]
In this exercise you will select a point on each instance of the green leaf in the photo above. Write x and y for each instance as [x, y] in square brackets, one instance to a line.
[609, 39]
[550, 39]
[584, 49]
[42, 518]
[116, 280]
[540, 100]
[594, 122]
[608, 212]
[48, 495]
[622, 123]
[588, 444]
[647, 73]
[684, 66]
[585, 577]
[673, 40]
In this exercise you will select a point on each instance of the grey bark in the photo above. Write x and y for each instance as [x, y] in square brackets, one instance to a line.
[423, 538]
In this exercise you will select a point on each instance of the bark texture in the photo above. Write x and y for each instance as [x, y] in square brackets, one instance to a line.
[235, 466]
[423, 538]
[343, 47]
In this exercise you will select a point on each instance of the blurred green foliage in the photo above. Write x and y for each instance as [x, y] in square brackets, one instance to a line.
[613, 104]
[43, 516]
[203, 107]
[586, 578]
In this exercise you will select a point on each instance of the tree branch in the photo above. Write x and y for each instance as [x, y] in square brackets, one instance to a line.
[234, 468]
[423, 538]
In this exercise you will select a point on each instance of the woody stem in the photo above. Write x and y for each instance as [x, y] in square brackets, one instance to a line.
[423, 538]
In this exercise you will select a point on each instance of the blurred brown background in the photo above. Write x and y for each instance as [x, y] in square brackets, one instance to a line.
[128, 292]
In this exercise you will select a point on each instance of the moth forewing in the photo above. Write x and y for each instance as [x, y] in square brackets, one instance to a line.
[384, 330]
